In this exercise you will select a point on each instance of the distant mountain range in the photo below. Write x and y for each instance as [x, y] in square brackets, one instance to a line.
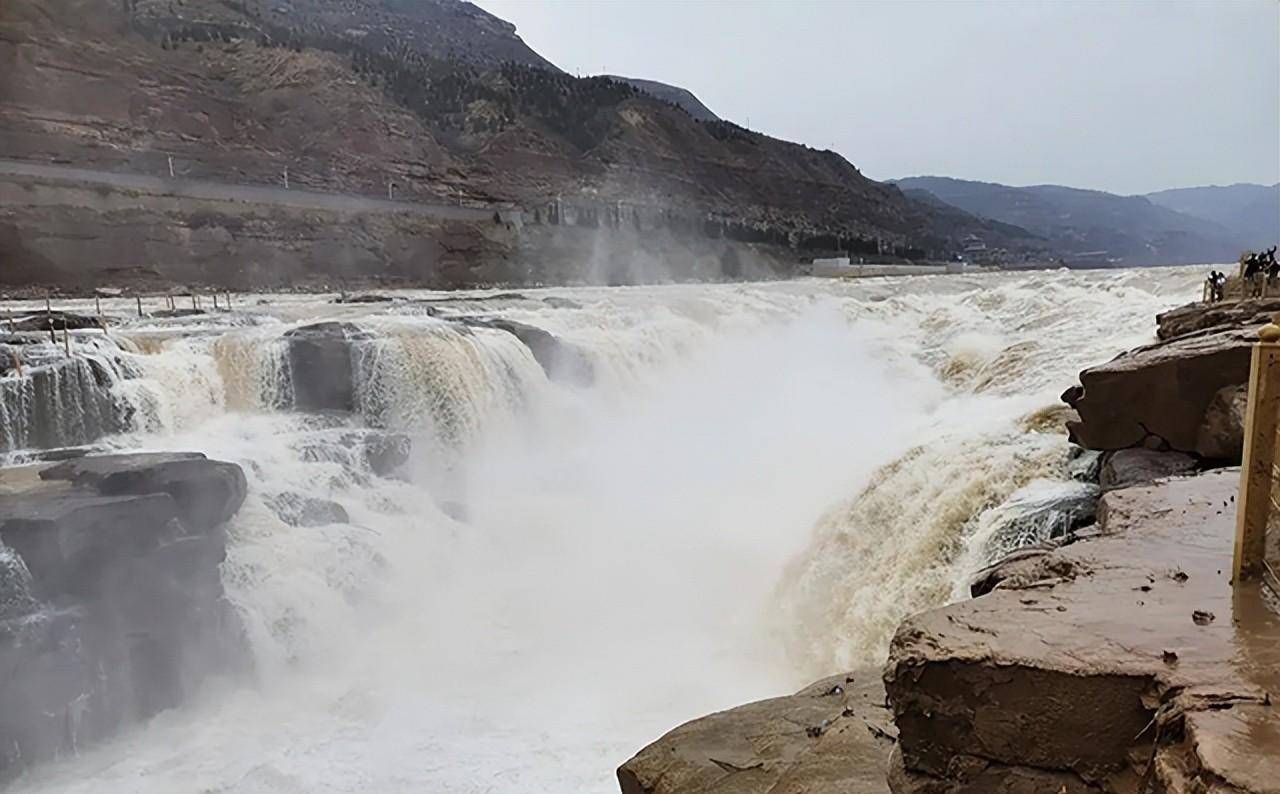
[1210, 224]
[1251, 212]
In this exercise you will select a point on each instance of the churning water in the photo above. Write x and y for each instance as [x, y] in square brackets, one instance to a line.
[761, 481]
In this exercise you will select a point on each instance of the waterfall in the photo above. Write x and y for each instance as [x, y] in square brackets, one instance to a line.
[756, 485]
[51, 398]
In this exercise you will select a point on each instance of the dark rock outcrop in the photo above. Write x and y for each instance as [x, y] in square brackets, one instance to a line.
[561, 360]
[111, 602]
[57, 321]
[831, 737]
[1128, 467]
[386, 453]
[1034, 515]
[321, 365]
[300, 510]
[367, 297]
[206, 492]
[1159, 396]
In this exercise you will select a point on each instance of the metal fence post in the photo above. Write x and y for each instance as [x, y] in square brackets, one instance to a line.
[1256, 472]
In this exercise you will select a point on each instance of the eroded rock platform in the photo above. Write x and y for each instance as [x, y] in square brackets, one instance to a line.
[1122, 663]
[831, 737]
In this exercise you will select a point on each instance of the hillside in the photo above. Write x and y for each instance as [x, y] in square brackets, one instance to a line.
[682, 98]
[435, 101]
[1090, 225]
[1251, 212]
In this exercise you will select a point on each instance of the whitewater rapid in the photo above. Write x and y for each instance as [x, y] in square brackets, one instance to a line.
[761, 482]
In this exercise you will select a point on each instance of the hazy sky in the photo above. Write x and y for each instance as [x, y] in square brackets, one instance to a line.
[1126, 97]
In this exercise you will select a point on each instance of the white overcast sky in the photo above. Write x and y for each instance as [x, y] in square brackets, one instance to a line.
[1122, 96]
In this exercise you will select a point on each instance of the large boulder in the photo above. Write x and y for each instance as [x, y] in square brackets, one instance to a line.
[206, 492]
[832, 737]
[1139, 466]
[1221, 434]
[300, 510]
[1158, 396]
[322, 365]
[111, 599]
[68, 538]
[561, 360]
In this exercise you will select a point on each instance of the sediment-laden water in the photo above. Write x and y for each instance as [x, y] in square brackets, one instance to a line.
[755, 484]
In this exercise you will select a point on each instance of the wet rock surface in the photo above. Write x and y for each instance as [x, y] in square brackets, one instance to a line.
[321, 365]
[206, 492]
[1084, 670]
[1159, 396]
[561, 360]
[1128, 467]
[57, 321]
[300, 510]
[51, 399]
[833, 736]
[111, 602]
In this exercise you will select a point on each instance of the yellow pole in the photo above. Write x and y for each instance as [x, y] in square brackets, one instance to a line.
[1260, 425]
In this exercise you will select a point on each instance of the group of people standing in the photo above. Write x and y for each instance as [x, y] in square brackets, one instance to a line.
[1259, 270]
[1260, 265]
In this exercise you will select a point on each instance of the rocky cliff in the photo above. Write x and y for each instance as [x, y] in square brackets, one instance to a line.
[435, 102]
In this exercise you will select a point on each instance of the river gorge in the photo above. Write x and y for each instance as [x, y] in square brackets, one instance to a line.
[603, 512]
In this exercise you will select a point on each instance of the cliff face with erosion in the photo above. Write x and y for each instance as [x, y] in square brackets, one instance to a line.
[436, 103]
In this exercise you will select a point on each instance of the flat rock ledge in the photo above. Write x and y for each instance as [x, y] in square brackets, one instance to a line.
[832, 737]
[111, 600]
[1202, 316]
[1123, 663]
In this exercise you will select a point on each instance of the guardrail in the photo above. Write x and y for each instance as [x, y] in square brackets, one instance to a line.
[1257, 552]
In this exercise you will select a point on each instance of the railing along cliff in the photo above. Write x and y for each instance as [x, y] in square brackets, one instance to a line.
[1257, 553]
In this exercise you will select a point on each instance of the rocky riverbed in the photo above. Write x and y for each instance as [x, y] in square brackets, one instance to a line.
[1117, 660]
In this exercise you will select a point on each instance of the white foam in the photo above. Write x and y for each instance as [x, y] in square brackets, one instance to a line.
[623, 565]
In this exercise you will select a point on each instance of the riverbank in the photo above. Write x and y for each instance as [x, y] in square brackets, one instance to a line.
[1119, 659]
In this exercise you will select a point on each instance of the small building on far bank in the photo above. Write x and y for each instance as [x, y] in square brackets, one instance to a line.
[832, 266]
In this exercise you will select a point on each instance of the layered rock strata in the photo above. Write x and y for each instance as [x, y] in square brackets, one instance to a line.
[111, 602]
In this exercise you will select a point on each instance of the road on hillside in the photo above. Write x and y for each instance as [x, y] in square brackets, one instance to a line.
[256, 194]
